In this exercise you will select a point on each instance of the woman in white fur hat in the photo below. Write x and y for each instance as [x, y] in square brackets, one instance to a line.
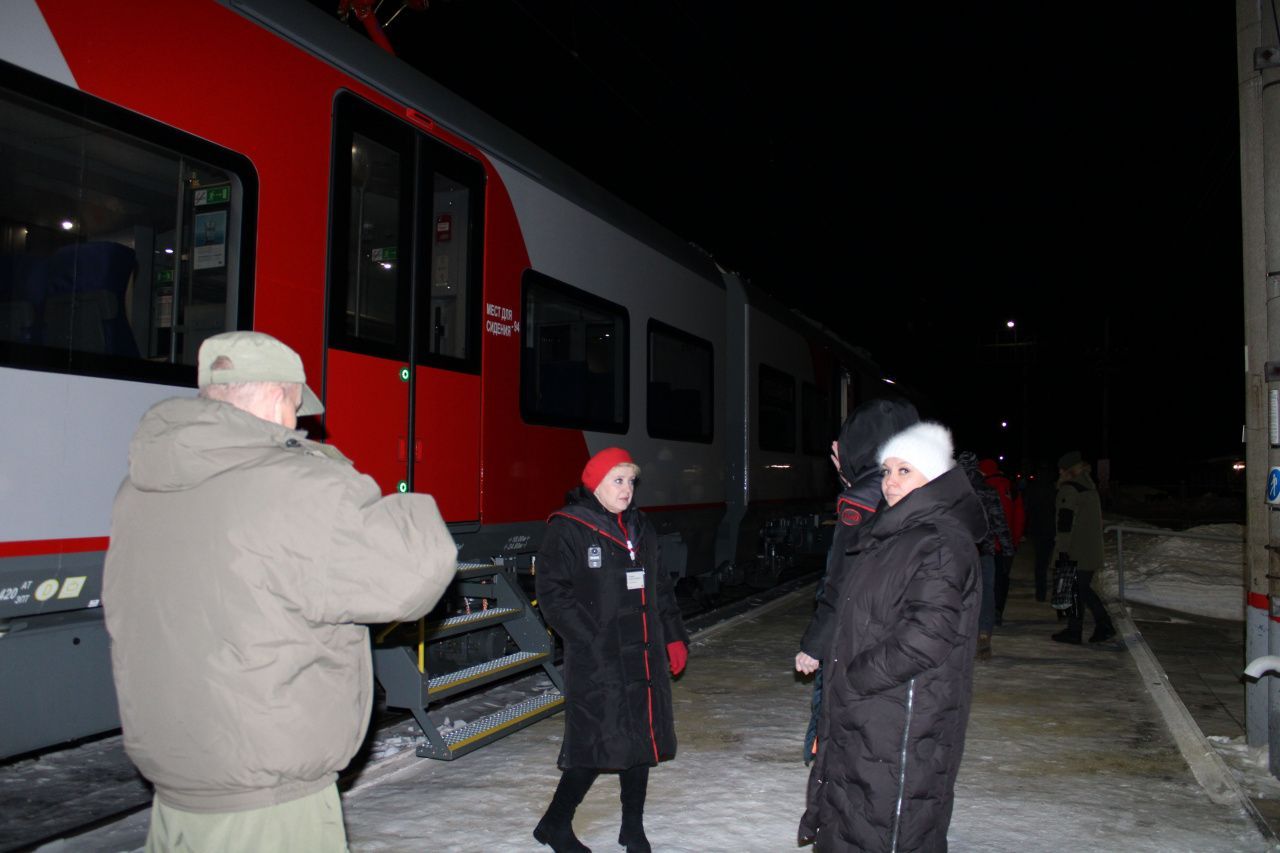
[896, 704]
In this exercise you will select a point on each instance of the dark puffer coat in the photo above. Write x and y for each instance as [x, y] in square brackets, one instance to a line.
[896, 700]
[615, 632]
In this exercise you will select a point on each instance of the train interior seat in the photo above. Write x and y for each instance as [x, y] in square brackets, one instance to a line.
[83, 304]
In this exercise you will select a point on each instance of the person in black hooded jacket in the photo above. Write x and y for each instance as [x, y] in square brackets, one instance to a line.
[602, 587]
[868, 426]
[899, 675]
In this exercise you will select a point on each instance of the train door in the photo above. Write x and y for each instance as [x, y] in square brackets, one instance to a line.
[402, 372]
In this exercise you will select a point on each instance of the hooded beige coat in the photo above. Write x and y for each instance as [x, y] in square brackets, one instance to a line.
[243, 561]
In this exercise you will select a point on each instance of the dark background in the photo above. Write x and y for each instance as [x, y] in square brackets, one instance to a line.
[915, 177]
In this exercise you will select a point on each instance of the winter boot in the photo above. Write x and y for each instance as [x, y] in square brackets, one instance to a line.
[556, 827]
[1103, 632]
[1070, 635]
[635, 784]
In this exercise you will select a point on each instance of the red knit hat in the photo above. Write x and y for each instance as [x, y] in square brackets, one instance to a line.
[602, 463]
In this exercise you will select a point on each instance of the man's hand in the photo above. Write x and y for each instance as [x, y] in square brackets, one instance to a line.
[806, 664]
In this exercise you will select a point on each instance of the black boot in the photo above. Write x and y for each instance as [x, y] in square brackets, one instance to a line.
[556, 826]
[1102, 633]
[635, 784]
[1075, 627]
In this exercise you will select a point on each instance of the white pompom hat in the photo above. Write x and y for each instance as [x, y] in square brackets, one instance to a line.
[925, 445]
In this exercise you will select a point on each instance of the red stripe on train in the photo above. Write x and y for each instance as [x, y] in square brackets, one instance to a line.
[41, 547]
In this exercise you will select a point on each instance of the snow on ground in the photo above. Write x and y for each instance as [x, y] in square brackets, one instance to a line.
[1189, 575]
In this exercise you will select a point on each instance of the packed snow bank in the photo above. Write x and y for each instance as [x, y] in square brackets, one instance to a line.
[1166, 569]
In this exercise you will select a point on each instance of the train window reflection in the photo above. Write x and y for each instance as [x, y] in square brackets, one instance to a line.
[681, 371]
[120, 242]
[777, 413]
[373, 242]
[817, 420]
[573, 365]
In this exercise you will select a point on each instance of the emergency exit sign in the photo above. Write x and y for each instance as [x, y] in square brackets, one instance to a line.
[213, 195]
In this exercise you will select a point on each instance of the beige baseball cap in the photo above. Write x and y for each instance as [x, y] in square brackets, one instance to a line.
[256, 357]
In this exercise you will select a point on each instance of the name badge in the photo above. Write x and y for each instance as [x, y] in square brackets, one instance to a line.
[635, 579]
[594, 559]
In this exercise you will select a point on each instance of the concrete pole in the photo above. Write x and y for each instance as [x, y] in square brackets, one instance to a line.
[1260, 214]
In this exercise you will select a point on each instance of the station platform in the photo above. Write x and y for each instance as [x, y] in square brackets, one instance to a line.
[1069, 747]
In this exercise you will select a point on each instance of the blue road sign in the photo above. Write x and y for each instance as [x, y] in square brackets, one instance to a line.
[1273, 486]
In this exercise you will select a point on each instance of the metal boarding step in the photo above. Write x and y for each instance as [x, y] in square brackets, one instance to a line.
[403, 656]
[466, 622]
[499, 724]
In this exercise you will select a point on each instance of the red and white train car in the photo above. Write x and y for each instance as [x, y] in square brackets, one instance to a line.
[478, 318]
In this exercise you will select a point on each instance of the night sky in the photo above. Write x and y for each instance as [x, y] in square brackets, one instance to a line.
[916, 176]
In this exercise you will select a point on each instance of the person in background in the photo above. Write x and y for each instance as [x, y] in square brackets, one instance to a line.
[899, 672]
[602, 587]
[868, 426]
[1011, 505]
[244, 560]
[1079, 539]
[996, 535]
[1038, 500]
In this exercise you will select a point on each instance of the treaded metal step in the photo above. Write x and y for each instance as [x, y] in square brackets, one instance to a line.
[476, 570]
[500, 723]
[470, 621]
[473, 676]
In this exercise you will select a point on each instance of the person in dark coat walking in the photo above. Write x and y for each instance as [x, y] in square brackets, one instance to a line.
[1011, 505]
[602, 587]
[900, 673]
[988, 547]
[1038, 498]
[868, 426]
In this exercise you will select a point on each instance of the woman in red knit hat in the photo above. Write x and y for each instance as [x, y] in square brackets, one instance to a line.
[601, 587]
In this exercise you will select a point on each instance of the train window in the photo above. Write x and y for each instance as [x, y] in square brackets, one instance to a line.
[680, 385]
[777, 410]
[405, 241]
[447, 327]
[123, 242]
[817, 425]
[374, 274]
[573, 357]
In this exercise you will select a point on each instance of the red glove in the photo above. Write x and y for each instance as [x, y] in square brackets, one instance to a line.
[677, 655]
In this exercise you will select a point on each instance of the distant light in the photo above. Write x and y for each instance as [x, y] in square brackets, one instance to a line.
[386, 265]
[1001, 457]
[1004, 425]
[1010, 324]
[168, 251]
[889, 381]
[67, 225]
[779, 467]
[1238, 466]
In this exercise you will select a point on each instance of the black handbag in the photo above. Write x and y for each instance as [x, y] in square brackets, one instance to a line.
[1064, 585]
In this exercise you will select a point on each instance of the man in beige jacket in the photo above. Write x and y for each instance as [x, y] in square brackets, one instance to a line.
[244, 562]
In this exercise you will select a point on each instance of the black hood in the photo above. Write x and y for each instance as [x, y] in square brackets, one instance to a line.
[867, 427]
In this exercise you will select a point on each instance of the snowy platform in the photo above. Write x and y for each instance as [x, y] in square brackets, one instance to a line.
[1067, 749]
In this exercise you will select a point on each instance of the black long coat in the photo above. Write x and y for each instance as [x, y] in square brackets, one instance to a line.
[616, 610]
[900, 675]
